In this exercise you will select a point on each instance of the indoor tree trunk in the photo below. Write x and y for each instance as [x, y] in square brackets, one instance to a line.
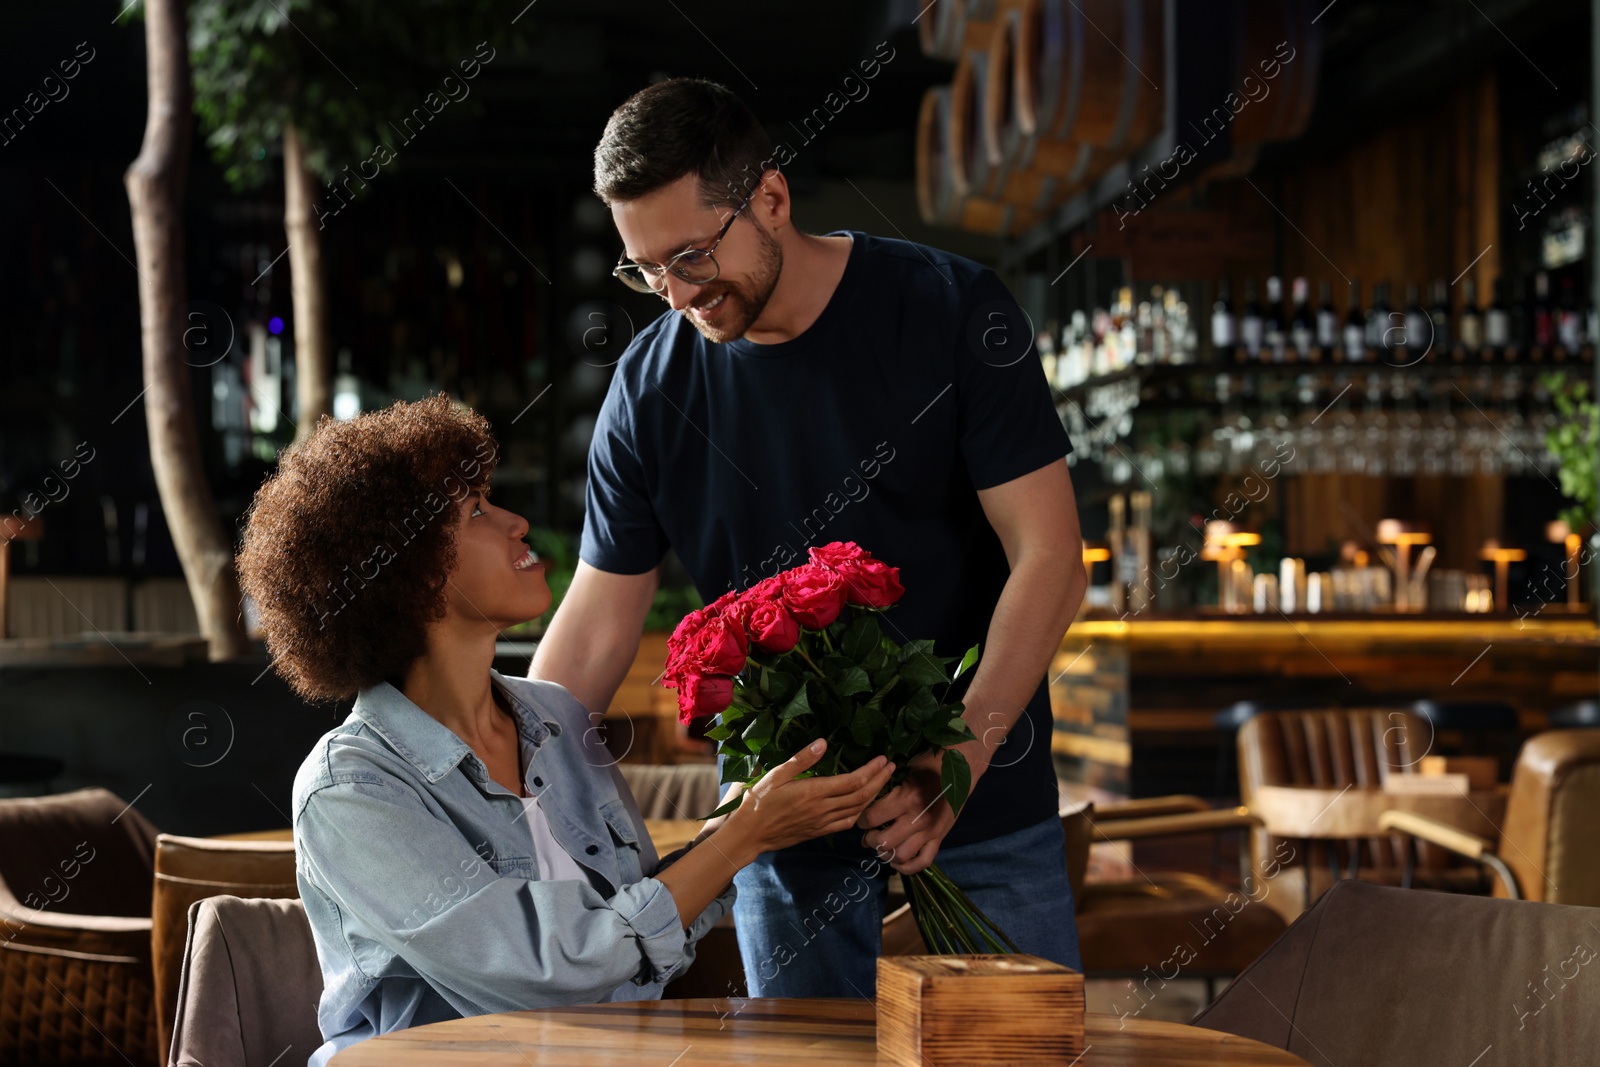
[155, 183]
[313, 368]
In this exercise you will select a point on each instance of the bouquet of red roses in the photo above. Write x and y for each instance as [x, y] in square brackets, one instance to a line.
[801, 655]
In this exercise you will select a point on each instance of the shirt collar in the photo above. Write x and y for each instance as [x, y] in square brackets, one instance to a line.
[425, 742]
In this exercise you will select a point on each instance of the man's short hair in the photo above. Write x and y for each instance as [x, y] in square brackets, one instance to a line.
[677, 127]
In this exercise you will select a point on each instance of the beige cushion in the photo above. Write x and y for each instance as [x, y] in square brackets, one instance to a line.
[250, 985]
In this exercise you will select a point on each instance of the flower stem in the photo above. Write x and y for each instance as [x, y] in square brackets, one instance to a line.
[802, 654]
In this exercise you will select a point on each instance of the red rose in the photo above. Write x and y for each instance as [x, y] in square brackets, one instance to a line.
[772, 628]
[700, 696]
[720, 647]
[814, 595]
[872, 583]
[832, 555]
[679, 659]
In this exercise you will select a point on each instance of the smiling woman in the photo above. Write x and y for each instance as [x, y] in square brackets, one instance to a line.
[463, 843]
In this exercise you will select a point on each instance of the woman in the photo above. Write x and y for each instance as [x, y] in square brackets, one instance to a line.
[463, 845]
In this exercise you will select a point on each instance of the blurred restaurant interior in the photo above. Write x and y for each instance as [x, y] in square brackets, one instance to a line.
[1313, 286]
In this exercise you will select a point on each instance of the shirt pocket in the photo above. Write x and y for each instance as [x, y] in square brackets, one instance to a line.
[512, 866]
[624, 841]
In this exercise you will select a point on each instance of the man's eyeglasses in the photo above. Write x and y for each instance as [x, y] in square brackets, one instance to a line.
[695, 266]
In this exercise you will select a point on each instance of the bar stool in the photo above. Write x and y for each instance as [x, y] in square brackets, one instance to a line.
[1585, 713]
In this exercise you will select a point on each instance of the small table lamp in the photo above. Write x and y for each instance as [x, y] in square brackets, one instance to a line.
[1560, 533]
[1093, 554]
[1502, 559]
[1402, 535]
[13, 529]
[1225, 543]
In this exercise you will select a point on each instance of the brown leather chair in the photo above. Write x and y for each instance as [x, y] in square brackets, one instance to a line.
[188, 869]
[250, 986]
[1385, 977]
[75, 974]
[1547, 848]
[1168, 923]
[1331, 749]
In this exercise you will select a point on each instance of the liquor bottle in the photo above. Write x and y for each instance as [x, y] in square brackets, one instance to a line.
[1224, 328]
[1417, 330]
[1251, 323]
[1302, 331]
[1439, 314]
[1519, 338]
[1544, 331]
[1274, 338]
[1497, 324]
[1379, 338]
[1569, 321]
[1471, 331]
[1127, 329]
[1327, 322]
[1355, 328]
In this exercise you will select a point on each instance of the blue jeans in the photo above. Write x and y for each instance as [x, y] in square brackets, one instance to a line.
[811, 924]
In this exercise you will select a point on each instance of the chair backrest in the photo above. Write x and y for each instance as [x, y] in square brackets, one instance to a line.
[193, 868]
[1548, 839]
[673, 790]
[251, 983]
[1333, 748]
[1386, 977]
[87, 852]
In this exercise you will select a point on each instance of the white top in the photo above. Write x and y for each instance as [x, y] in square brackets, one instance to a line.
[555, 865]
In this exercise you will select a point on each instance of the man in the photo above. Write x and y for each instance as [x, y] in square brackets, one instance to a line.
[810, 389]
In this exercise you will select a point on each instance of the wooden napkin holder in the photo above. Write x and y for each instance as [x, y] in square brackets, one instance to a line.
[966, 1011]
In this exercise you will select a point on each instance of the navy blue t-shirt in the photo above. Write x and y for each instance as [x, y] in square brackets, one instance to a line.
[917, 386]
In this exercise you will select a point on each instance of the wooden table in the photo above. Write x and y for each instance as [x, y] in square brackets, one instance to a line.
[670, 835]
[1310, 813]
[773, 1033]
[1332, 814]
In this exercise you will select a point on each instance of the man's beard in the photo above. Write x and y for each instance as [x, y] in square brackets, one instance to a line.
[746, 298]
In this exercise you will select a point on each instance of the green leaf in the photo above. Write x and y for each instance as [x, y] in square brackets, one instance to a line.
[869, 728]
[799, 704]
[967, 661]
[956, 778]
[726, 807]
[720, 732]
[861, 638]
[736, 770]
[852, 681]
[924, 670]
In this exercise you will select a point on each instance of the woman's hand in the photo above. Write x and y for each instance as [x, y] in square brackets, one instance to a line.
[776, 812]
[779, 811]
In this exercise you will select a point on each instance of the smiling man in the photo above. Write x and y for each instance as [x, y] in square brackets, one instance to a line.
[806, 389]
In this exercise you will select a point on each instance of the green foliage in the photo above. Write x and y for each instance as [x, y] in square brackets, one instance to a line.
[1575, 442]
[339, 70]
[866, 694]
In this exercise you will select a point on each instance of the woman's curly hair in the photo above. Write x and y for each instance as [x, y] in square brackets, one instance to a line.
[347, 547]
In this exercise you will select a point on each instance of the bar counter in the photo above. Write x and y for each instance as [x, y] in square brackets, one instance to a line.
[1157, 682]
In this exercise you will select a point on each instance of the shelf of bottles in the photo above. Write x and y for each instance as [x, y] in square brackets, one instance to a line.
[1380, 389]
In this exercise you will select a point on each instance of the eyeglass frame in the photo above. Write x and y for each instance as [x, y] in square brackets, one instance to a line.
[709, 253]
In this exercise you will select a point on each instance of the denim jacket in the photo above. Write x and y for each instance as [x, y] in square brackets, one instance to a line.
[419, 879]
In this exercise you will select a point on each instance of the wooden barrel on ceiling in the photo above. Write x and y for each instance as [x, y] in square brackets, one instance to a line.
[938, 200]
[1003, 125]
[947, 29]
[1082, 94]
[1265, 33]
[968, 157]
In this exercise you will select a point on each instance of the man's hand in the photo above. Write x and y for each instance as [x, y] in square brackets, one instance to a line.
[907, 826]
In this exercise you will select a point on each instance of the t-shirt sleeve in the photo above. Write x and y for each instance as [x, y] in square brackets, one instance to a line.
[1006, 418]
[621, 534]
